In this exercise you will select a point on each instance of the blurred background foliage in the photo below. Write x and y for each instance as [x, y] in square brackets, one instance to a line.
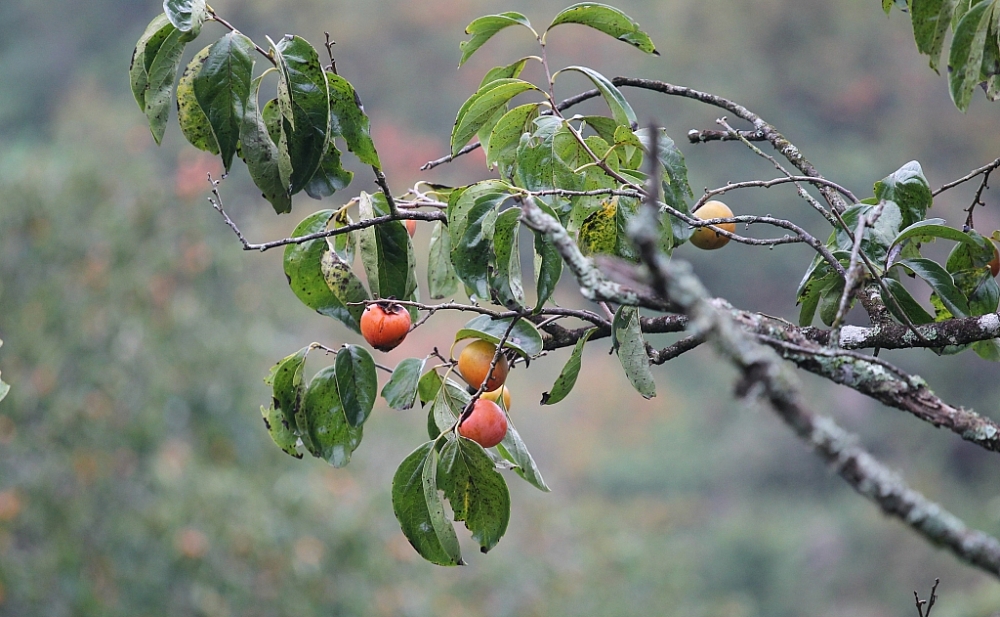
[136, 477]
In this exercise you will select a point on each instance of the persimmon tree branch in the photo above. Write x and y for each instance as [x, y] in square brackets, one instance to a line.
[765, 378]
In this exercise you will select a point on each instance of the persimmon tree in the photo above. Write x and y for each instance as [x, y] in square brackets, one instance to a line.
[604, 202]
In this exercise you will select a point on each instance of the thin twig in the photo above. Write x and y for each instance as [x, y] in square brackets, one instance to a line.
[969, 176]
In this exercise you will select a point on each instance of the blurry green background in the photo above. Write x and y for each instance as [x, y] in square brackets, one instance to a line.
[136, 477]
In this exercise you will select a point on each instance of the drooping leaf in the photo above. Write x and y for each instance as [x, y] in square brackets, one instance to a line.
[483, 29]
[537, 165]
[401, 390]
[222, 88]
[345, 244]
[303, 265]
[162, 72]
[441, 279]
[608, 20]
[930, 20]
[285, 380]
[357, 383]
[192, 119]
[504, 274]
[513, 449]
[524, 337]
[346, 287]
[477, 493]
[386, 252]
[446, 408]
[966, 56]
[333, 437]
[348, 119]
[901, 300]
[330, 176]
[484, 105]
[186, 15]
[931, 228]
[631, 348]
[419, 509]
[304, 99]
[268, 168]
[567, 377]
[548, 265]
[429, 386]
[142, 56]
[471, 255]
[974, 253]
[279, 430]
[941, 282]
[621, 111]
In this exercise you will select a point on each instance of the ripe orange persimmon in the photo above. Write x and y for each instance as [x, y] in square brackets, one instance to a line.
[707, 238]
[411, 226]
[385, 326]
[995, 262]
[494, 395]
[486, 425]
[474, 364]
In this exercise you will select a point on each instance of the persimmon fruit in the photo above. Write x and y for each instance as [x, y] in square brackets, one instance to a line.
[411, 226]
[707, 238]
[385, 326]
[995, 263]
[494, 395]
[486, 425]
[474, 364]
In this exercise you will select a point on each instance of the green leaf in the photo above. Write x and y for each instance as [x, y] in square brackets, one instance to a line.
[631, 350]
[285, 380]
[347, 290]
[512, 448]
[621, 111]
[162, 71]
[567, 377]
[813, 291]
[186, 15]
[908, 187]
[303, 265]
[477, 493]
[429, 386]
[504, 274]
[605, 231]
[401, 390]
[330, 177]
[142, 56]
[930, 20]
[357, 383]
[676, 190]
[608, 20]
[524, 337]
[537, 164]
[386, 252]
[509, 71]
[980, 288]
[191, 117]
[910, 307]
[941, 282]
[334, 439]
[279, 429]
[931, 228]
[447, 406]
[829, 301]
[471, 255]
[501, 148]
[974, 253]
[485, 27]
[548, 264]
[966, 56]
[344, 244]
[482, 106]
[420, 511]
[222, 87]
[441, 279]
[348, 119]
[268, 168]
[304, 99]
[988, 350]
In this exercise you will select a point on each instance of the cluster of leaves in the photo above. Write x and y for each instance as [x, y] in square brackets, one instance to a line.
[288, 144]
[974, 55]
[963, 287]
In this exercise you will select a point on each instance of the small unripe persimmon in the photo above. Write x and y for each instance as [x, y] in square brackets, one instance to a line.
[411, 226]
[707, 238]
[486, 425]
[385, 326]
[494, 395]
[995, 262]
[474, 364]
